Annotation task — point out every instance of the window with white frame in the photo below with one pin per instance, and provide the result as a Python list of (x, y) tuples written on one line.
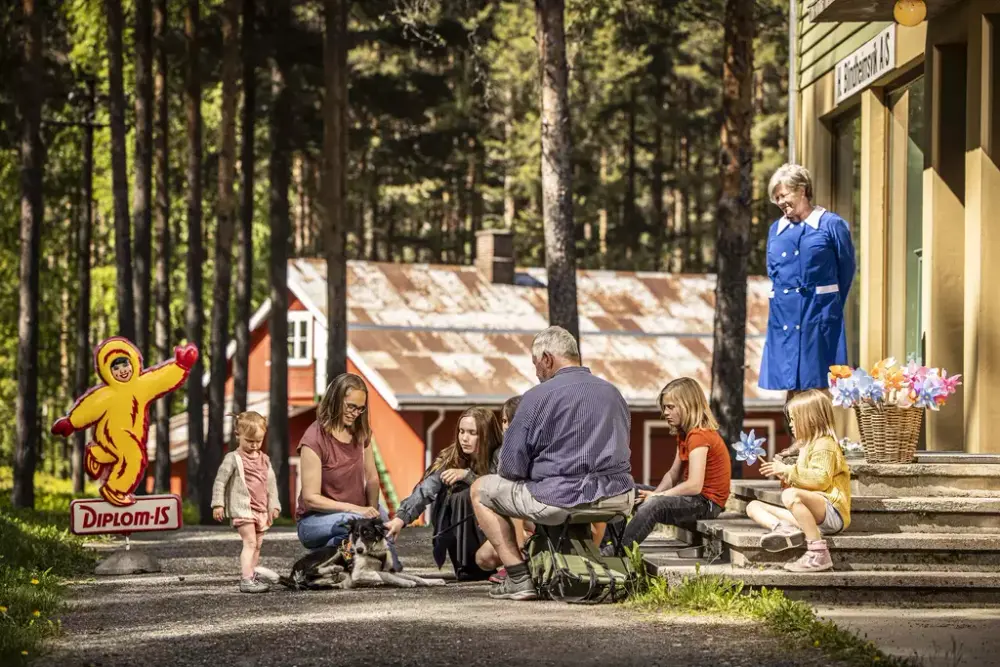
[(299, 338)]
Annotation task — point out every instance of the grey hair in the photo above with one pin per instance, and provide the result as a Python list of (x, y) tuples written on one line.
[(793, 176), (556, 341)]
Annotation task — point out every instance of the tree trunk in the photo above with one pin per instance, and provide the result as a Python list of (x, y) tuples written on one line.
[(729, 341), (119, 179), (83, 351), (691, 182), (630, 227), (335, 182), (509, 172), (692, 242), (195, 313), (602, 213), (279, 167), (163, 243), (656, 180), (557, 188), (477, 178), (244, 259), (219, 335), (681, 206), (143, 171), (63, 396), (299, 223), (32, 169), (375, 222)]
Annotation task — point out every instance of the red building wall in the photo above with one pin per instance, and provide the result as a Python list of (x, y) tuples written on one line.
[(401, 447)]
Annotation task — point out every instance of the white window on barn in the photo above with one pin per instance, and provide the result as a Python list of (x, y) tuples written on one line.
[(299, 338)]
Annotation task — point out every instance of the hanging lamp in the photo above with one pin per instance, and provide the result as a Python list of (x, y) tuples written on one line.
[(909, 12)]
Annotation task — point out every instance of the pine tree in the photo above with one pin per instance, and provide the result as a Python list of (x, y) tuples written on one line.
[(557, 188), (729, 340), (244, 257), (32, 215)]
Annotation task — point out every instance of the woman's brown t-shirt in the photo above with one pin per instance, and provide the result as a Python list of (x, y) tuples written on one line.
[(343, 476)]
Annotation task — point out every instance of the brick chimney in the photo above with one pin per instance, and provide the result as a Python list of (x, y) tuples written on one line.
[(495, 255)]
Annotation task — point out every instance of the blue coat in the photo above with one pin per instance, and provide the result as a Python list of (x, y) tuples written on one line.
[(811, 266)]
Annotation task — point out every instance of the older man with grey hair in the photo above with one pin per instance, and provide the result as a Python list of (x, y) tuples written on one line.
[(567, 449)]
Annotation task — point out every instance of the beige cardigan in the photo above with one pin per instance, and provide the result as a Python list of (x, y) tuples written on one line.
[(230, 489)]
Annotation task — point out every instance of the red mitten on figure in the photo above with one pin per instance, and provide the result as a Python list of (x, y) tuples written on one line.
[(63, 427), (186, 356)]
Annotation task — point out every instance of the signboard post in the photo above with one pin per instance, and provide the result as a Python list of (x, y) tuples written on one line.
[(872, 61), (92, 516), (118, 409)]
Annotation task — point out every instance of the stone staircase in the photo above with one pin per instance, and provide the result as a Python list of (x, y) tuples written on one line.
[(926, 531)]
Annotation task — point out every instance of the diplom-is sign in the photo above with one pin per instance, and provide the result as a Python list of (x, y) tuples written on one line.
[(873, 60), (92, 516)]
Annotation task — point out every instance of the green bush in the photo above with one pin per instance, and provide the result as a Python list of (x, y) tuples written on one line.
[(37, 552)]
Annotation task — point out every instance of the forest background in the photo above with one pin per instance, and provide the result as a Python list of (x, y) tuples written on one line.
[(442, 139)]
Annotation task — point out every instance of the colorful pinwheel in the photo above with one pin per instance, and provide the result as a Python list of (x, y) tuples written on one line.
[(749, 448)]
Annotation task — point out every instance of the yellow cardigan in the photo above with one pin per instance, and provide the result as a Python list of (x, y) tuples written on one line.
[(821, 467)]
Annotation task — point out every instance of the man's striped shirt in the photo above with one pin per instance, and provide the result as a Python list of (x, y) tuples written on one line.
[(569, 440)]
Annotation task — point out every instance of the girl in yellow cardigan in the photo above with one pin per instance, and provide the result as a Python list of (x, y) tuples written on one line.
[(818, 498)]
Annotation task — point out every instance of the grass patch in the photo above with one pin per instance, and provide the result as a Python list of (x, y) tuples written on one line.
[(37, 554), (713, 594)]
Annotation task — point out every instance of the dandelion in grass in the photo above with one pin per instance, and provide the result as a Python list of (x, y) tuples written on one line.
[(3, 610), (36, 614), (34, 582), (749, 448)]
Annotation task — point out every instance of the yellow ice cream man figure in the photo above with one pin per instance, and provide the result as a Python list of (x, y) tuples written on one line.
[(118, 409)]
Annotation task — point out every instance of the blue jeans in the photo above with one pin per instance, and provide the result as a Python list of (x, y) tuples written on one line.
[(317, 530)]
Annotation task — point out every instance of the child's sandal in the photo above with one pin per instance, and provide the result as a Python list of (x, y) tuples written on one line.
[(783, 537)]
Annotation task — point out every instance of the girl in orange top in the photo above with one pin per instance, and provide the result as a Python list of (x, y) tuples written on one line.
[(697, 484)]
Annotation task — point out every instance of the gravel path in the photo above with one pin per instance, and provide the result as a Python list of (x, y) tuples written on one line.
[(192, 614)]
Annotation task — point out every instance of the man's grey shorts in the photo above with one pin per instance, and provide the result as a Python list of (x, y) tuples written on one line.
[(513, 499)]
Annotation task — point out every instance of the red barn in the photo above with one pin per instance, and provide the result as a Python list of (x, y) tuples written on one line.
[(433, 340)]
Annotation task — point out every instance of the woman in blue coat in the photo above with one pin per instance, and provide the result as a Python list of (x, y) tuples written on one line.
[(810, 261)]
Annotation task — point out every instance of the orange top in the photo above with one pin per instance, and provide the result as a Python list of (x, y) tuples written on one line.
[(718, 467)]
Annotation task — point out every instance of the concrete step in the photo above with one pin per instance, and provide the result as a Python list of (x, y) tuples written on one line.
[(925, 479), (740, 539), (869, 514), (918, 586), (957, 457), (668, 546)]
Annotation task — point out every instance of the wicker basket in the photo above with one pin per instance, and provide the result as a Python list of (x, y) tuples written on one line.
[(889, 433)]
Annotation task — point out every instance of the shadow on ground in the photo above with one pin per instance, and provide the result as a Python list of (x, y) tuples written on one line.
[(192, 614)]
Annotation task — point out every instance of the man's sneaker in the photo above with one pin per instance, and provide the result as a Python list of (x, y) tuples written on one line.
[(254, 585), (509, 589), (498, 576), (814, 560), (784, 536)]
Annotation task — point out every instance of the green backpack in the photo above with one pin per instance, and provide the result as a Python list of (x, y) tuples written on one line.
[(565, 566)]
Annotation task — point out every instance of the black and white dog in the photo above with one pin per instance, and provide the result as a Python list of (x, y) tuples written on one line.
[(361, 560)]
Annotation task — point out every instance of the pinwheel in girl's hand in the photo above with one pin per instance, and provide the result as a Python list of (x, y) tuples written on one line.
[(749, 448)]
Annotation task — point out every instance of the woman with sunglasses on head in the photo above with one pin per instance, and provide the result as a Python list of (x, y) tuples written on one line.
[(337, 467)]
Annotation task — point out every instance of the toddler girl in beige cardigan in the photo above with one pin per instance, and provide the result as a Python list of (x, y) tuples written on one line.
[(246, 491)]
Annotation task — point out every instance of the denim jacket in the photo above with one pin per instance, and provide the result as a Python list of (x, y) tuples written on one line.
[(426, 492)]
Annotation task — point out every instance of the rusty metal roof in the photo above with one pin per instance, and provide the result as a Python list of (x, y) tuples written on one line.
[(436, 335), (257, 401)]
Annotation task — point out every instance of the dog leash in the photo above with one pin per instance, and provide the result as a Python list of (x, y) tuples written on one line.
[(455, 525)]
